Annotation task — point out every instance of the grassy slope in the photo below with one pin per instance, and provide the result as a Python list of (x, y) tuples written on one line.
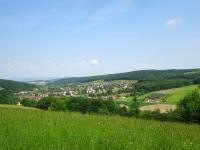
[(23, 129), (14, 86), (173, 95)]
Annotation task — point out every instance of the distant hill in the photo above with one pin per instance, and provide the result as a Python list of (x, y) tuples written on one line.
[(8, 88), (134, 75), (147, 80), (14, 86)]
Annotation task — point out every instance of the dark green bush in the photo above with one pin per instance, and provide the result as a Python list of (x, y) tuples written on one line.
[(29, 103), (188, 108), (45, 103)]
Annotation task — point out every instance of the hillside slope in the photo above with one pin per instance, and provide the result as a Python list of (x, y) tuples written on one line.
[(23, 129), (8, 88), (14, 86), (135, 75), (148, 80), (171, 96)]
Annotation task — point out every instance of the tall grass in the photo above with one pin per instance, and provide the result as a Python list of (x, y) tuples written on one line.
[(24, 129)]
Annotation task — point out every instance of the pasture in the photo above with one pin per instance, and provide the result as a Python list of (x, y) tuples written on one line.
[(172, 96)]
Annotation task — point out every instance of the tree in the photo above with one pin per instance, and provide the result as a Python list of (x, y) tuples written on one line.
[(29, 103), (189, 107), (109, 105), (109, 91), (58, 105), (134, 107), (45, 103)]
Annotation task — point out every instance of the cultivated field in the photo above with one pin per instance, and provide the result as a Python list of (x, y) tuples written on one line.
[(162, 107), (28, 129)]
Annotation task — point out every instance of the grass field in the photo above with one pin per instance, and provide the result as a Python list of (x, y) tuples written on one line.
[(28, 129), (173, 95)]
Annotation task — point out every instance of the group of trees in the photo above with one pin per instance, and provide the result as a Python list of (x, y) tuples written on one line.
[(81, 104), (160, 84), (84, 105), (188, 108)]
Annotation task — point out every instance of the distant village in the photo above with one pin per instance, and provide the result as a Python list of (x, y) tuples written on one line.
[(104, 89)]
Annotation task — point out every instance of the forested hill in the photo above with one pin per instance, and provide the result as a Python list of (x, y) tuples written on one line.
[(14, 86), (146, 75)]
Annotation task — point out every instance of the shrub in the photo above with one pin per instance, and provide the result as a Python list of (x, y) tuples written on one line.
[(123, 111), (134, 107), (29, 103), (58, 105), (109, 105), (45, 103), (189, 107), (103, 111)]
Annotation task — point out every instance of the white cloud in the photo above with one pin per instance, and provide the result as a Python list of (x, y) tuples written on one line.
[(173, 23), (94, 62)]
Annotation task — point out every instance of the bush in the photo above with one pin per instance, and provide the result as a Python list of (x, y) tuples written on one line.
[(29, 103), (189, 107), (134, 107), (103, 111), (45, 103), (123, 111), (58, 105), (109, 105)]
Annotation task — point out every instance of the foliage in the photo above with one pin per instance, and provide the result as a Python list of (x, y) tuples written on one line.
[(8, 88), (58, 105), (189, 107), (5, 99), (81, 104), (134, 107), (14, 87), (45, 103), (29, 103)]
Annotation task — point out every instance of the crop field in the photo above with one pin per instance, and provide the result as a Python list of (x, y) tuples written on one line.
[(162, 107), (29, 129), (172, 96)]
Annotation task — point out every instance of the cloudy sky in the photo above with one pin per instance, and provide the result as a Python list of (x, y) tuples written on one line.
[(65, 38)]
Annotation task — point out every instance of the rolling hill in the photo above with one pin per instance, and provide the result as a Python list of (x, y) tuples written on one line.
[(8, 88), (134, 75), (147, 80), (14, 86), (171, 96)]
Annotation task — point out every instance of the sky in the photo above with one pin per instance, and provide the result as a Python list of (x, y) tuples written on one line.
[(67, 38)]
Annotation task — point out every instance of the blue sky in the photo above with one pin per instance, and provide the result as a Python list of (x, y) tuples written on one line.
[(66, 38)]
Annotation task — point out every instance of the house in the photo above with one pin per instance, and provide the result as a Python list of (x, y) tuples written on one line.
[(152, 100)]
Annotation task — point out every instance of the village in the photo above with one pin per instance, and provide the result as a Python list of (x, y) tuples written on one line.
[(119, 89)]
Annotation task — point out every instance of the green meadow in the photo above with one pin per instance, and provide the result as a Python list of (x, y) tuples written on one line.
[(32, 129), (172, 96)]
